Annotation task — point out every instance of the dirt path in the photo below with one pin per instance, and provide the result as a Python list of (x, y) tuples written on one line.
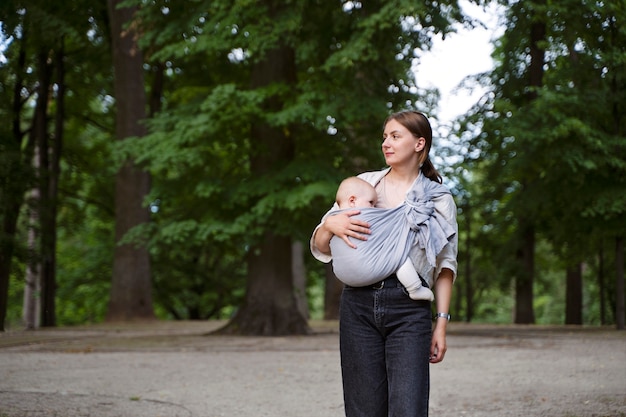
[(174, 369)]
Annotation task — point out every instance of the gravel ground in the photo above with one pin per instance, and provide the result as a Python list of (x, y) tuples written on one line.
[(173, 369)]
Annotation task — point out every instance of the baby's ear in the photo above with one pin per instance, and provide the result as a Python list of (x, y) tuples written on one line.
[(352, 201)]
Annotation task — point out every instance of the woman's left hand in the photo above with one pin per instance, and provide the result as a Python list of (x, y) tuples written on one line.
[(438, 343)]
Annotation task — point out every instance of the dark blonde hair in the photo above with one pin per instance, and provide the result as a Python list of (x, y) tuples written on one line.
[(419, 126)]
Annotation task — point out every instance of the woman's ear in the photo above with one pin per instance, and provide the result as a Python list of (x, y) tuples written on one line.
[(420, 144)]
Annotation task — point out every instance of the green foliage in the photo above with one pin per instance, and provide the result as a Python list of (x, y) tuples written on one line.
[(558, 159), (213, 205), (552, 154)]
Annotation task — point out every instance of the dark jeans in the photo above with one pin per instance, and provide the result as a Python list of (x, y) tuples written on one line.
[(385, 346)]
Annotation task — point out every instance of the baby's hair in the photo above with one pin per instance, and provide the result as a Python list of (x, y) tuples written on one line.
[(349, 187)]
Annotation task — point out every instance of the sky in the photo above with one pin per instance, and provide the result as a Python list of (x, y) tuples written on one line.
[(464, 53)]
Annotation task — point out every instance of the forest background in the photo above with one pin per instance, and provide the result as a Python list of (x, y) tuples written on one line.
[(169, 159)]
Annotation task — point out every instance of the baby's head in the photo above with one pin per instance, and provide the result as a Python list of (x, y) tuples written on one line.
[(355, 192)]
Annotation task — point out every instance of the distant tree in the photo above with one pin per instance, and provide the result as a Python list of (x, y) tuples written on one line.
[(511, 144)]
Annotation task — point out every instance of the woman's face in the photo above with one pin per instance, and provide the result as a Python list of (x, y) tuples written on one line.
[(399, 145)]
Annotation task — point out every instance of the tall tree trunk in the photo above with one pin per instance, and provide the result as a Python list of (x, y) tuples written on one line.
[(270, 306), (46, 240), (524, 311), (131, 287), (620, 302), (50, 201), (574, 295), (18, 174), (617, 107)]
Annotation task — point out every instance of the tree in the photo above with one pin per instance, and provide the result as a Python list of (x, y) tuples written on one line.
[(16, 170), (270, 306), (283, 100), (507, 138), (37, 101), (555, 158), (131, 292)]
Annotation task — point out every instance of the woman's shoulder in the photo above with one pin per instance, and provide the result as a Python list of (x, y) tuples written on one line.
[(373, 176), (445, 203)]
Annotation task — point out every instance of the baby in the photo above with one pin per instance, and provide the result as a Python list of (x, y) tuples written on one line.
[(352, 193)]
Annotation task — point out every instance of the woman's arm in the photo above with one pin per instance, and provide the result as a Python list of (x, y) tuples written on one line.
[(447, 258), (443, 291)]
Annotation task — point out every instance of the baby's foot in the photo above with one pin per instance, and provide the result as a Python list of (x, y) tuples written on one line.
[(421, 293)]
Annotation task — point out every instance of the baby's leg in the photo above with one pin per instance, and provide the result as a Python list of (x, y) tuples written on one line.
[(410, 279)]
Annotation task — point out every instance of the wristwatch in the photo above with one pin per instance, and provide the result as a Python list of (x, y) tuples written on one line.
[(444, 315)]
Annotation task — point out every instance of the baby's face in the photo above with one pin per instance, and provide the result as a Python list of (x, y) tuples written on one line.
[(366, 200)]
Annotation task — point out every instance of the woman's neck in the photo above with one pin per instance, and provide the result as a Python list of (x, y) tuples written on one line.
[(403, 176), (394, 186)]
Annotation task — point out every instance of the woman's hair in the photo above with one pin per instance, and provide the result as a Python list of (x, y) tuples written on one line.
[(416, 123)]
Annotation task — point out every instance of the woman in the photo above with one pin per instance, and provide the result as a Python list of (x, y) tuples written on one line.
[(386, 338)]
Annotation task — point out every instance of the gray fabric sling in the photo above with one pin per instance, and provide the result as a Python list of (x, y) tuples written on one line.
[(393, 233)]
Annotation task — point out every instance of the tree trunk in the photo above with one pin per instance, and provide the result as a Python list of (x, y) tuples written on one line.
[(131, 287), (601, 283), (332, 294), (574, 295), (156, 90), (49, 201), (18, 172), (270, 307), (49, 207), (619, 284), (44, 206), (524, 312), (9, 227), (469, 288), (299, 278), (31, 309)]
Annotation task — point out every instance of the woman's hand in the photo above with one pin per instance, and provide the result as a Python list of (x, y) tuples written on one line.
[(342, 225), (438, 344)]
